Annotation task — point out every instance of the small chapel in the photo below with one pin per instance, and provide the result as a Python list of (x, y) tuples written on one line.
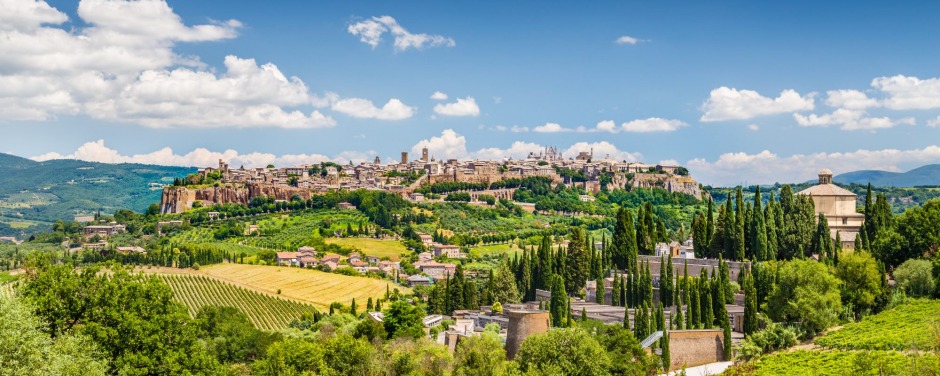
[(838, 205)]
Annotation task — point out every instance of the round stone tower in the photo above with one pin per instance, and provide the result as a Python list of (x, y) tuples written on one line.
[(522, 324)]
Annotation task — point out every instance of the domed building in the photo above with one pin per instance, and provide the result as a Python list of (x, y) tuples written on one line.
[(838, 205)]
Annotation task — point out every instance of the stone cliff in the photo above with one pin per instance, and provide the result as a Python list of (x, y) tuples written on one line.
[(180, 199)]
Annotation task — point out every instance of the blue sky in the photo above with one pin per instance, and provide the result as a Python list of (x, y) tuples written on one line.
[(737, 91)]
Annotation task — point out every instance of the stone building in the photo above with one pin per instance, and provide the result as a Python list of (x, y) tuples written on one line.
[(838, 205)]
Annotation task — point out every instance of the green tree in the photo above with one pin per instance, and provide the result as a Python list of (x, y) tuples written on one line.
[(28, 350), (822, 239), (230, 336), (807, 294), (861, 280), (563, 352), (914, 276), (750, 304), (403, 320), (558, 305), (578, 261), (758, 231), (132, 317), (482, 355), (504, 285)]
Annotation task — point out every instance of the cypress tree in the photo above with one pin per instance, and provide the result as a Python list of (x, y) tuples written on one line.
[(750, 304), (869, 207), (626, 296), (666, 356), (577, 262), (559, 302), (369, 305), (626, 318), (600, 290), (678, 323), (622, 233), (716, 245), (631, 245), (709, 223), (352, 307), (770, 224), (650, 228), (660, 317), (615, 292), (583, 314), (706, 307), (822, 242), (525, 283), (758, 231), (699, 240), (731, 231), (726, 340), (695, 318), (642, 232), (739, 218), (569, 322), (649, 285)]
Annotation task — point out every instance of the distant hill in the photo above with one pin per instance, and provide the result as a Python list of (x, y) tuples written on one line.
[(924, 175), (33, 194)]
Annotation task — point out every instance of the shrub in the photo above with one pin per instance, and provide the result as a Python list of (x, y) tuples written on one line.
[(915, 277)]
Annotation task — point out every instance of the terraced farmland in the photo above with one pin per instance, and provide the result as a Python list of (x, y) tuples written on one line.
[(264, 311), (312, 286)]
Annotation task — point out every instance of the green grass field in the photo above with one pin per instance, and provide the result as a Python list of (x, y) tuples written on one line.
[(912, 325), (372, 247), (306, 285), (495, 249), (265, 311)]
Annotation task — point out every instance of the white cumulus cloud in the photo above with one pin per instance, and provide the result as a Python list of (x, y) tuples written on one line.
[(439, 96), (726, 103), (370, 32), (626, 39), (850, 120), (120, 65), (462, 107), (909, 93), (394, 109), (97, 151), (766, 167), (550, 128)]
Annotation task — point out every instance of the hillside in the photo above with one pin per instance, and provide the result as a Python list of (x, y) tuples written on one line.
[(34, 194), (924, 175)]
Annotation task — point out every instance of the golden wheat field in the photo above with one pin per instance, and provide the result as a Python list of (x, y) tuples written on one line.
[(312, 286)]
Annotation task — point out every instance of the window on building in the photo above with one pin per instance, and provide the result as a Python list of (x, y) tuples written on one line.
[(845, 221)]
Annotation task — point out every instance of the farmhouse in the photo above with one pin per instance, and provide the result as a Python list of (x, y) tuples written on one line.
[(449, 251), (345, 206), (287, 258), (104, 230)]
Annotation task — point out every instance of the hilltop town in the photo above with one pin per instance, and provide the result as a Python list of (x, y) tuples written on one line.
[(223, 184)]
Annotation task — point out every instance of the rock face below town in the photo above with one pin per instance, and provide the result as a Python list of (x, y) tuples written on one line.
[(180, 199)]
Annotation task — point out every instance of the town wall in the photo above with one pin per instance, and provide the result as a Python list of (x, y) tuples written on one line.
[(690, 348)]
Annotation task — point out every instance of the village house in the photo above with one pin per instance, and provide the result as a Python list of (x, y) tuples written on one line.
[(103, 230), (426, 239), (345, 206), (449, 251), (287, 258), (129, 250), (418, 280)]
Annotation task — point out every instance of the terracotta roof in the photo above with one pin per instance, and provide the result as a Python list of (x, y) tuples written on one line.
[(826, 190)]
